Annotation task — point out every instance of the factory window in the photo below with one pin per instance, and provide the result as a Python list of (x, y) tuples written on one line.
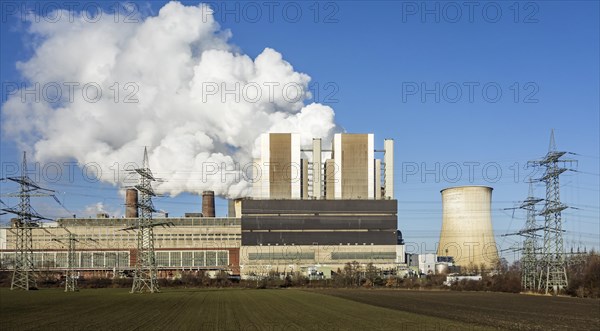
[(7, 260), (199, 259), (38, 260), (123, 260), (363, 255), (98, 259), (175, 259), (111, 259), (187, 259), (162, 259), (86, 260), (48, 260), (211, 258), (222, 258), (61, 260)]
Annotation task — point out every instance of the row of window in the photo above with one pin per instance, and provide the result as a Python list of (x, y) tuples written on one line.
[(282, 256), (169, 236), (347, 256), (58, 260), (192, 258), (120, 260)]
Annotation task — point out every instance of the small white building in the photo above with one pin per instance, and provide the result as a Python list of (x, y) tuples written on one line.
[(427, 263)]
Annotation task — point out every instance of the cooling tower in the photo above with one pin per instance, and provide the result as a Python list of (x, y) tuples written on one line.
[(467, 233), (208, 204), (131, 203)]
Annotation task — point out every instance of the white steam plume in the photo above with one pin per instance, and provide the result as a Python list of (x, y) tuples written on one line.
[(179, 63)]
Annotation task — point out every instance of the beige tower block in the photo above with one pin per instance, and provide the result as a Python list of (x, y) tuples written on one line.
[(467, 233), (279, 175), (377, 180), (388, 146), (317, 168), (355, 162)]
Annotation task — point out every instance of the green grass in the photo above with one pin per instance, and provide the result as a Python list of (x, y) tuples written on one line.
[(203, 309)]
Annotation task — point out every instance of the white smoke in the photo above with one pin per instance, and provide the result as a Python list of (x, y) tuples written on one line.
[(179, 62), (93, 210)]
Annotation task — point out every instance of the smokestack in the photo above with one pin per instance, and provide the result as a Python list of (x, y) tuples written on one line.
[(208, 204), (131, 203)]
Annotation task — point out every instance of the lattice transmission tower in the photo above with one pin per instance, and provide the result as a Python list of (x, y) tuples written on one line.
[(553, 274), (529, 260), (530, 249), (24, 277), (71, 275), (145, 277)]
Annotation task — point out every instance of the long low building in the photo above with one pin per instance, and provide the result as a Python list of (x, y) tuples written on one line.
[(104, 247), (279, 235)]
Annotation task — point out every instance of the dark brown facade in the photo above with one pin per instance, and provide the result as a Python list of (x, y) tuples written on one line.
[(319, 222)]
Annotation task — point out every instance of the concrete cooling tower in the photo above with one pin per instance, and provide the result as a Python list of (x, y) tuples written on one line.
[(467, 233)]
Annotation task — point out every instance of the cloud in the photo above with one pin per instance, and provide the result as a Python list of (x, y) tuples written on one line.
[(172, 82)]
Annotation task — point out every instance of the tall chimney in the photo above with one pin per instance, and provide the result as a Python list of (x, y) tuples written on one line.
[(208, 204), (131, 203)]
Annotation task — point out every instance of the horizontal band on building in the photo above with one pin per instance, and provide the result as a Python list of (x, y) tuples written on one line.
[(315, 230)]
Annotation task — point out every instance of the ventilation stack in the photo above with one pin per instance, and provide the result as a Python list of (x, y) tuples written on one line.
[(208, 204), (467, 233), (131, 203)]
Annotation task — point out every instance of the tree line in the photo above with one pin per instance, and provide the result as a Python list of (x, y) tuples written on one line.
[(583, 272)]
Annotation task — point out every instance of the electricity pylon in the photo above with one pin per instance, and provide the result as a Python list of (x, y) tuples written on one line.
[(24, 269), (145, 277), (529, 260), (529, 269), (553, 275), (71, 276), (71, 279)]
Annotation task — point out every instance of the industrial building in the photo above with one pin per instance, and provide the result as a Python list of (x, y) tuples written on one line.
[(320, 207), (312, 208), (429, 263), (106, 249), (290, 234)]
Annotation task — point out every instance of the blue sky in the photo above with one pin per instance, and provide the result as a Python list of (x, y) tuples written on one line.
[(371, 61)]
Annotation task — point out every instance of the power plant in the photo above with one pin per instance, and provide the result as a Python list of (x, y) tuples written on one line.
[(312, 210)]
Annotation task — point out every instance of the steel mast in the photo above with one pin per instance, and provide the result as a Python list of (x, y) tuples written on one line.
[(145, 275), (24, 270), (553, 275)]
